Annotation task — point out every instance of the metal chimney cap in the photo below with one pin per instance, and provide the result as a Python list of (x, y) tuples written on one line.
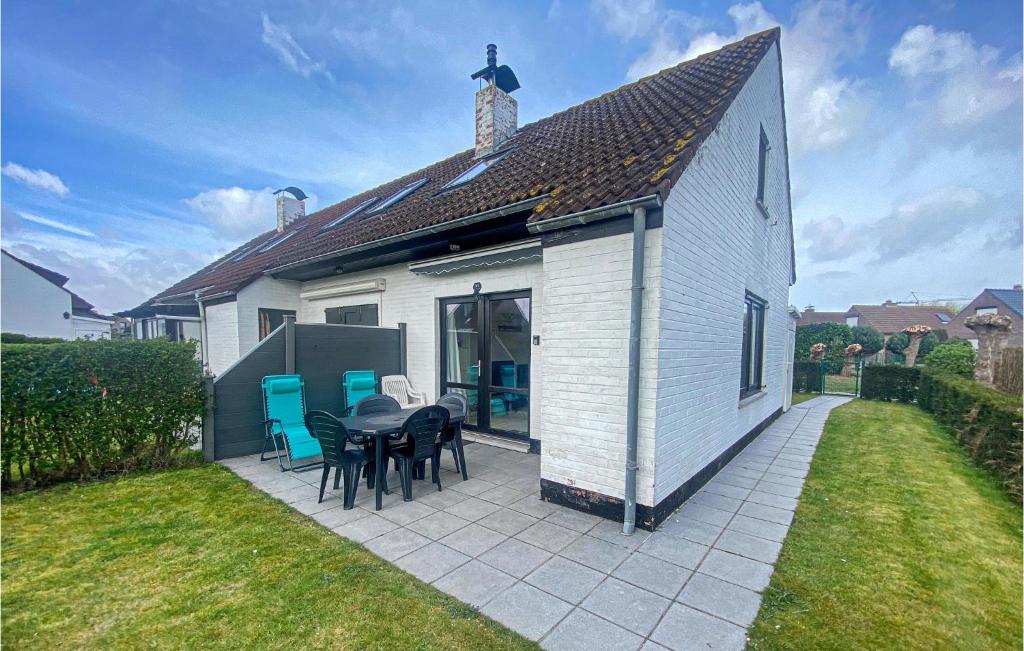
[(294, 191)]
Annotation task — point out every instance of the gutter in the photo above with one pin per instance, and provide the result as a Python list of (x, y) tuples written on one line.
[(636, 306), (439, 228), (596, 214)]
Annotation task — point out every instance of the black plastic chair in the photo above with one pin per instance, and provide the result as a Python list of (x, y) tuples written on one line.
[(422, 430), (456, 404), (333, 437), (378, 403)]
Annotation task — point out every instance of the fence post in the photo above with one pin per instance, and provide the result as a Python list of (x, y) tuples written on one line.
[(208, 434), (821, 377), (402, 348), (289, 344)]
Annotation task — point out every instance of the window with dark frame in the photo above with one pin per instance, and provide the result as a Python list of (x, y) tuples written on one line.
[(352, 315), (762, 170), (753, 345), (271, 319)]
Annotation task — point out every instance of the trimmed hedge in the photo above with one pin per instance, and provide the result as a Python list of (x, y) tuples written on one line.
[(837, 336), (889, 383), (16, 338), (81, 409), (955, 358), (807, 377), (987, 423)]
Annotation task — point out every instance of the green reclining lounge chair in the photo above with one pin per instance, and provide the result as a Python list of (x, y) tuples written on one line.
[(284, 406)]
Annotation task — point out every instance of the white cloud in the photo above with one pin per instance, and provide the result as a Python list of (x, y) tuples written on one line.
[(627, 20), (39, 179), (972, 83), (823, 107), (240, 213), (922, 50), (280, 40), (939, 220), (53, 223), (235, 211)]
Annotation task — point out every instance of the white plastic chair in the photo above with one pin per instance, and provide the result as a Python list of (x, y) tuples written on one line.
[(399, 388)]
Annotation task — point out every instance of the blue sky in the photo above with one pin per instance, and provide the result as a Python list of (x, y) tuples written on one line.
[(143, 139)]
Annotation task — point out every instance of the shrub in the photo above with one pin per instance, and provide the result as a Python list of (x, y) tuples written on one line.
[(889, 383), (15, 338), (1009, 374), (836, 336), (899, 341), (80, 409), (987, 423), (956, 358), (870, 339), (807, 377)]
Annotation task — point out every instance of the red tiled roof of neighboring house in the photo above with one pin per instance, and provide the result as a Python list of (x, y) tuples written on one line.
[(626, 144), (807, 317), (891, 318)]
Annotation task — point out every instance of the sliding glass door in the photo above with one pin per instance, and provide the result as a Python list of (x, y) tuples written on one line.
[(485, 355)]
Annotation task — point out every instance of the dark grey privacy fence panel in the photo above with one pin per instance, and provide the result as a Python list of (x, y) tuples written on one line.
[(238, 399), (322, 354)]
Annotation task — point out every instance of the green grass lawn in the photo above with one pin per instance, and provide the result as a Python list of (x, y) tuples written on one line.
[(898, 543), (197, 558), (803, 397)]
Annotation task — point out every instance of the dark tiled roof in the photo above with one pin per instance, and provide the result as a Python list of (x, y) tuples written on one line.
[(626, 144), (807, 318), (889, 319), (50, 275), (1012, 298)]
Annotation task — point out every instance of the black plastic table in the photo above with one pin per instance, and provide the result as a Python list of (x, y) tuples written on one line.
[(385, 426)]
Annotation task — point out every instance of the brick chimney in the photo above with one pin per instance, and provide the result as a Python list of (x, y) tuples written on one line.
[(496, 119), (496, 110), (291, 207)]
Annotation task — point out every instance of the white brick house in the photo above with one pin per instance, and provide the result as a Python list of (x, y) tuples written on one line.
[(511, 265)]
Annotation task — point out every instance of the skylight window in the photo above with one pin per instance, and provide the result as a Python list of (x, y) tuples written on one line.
[(278, 241), (351, 213), (474, 171), (244, 254), (398, 196)]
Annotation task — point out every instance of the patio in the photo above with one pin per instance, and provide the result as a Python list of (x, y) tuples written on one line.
[(572, 580)]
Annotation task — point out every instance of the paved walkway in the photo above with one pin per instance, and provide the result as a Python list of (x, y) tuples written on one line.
[(571, 580)]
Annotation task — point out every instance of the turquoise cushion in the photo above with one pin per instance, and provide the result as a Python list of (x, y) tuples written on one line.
[(285, 385)]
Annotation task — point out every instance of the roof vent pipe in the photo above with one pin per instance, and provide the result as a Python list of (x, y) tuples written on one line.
[(636, 305)]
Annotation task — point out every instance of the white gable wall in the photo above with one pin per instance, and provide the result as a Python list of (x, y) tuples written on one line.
[(586, 363), (717, 246), (32, 305)]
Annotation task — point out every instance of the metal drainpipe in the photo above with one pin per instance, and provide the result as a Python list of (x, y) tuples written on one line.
[(204, 337), (633, 386)]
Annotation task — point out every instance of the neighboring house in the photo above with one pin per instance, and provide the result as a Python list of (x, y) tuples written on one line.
[(36, 303), (890, 318), (1008, 302), (511, 265), (809, 316)]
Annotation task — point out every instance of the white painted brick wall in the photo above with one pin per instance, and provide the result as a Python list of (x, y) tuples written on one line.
[(222, 335), (413, 299), (717, 245), (266, 293), (586, 360)]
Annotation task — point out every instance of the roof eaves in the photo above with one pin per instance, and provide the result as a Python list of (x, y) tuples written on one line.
[(486, 215)]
